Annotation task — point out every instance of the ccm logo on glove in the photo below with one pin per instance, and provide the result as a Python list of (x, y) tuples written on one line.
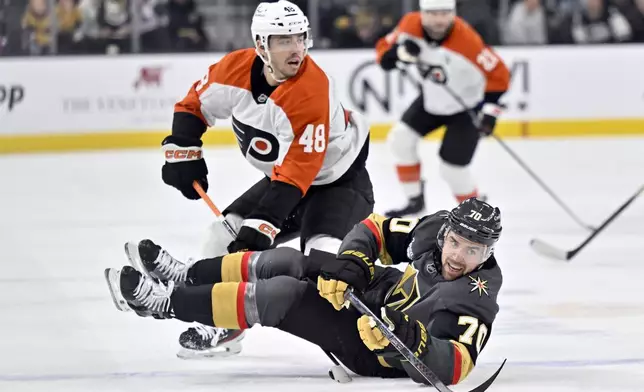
[(268, 230), (174, 153)]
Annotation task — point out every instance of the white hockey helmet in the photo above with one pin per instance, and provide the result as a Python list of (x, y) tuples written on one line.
[(437, 5), (279, 18)]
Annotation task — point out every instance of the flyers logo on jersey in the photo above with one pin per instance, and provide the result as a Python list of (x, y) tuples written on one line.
[(435, 73), (260, 145)]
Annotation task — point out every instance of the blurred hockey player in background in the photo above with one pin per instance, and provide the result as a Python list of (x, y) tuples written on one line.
[(453, 61), (442, 306), (290, 125)]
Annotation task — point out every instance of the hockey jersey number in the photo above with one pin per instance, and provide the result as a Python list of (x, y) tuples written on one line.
[(313, 138), (472, 327)]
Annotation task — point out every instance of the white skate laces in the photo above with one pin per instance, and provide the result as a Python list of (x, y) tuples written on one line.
[(171, 268), (154, 296), (208, 333)]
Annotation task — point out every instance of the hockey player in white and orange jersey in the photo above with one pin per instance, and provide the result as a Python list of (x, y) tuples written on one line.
[(291, 126), (461, 76)]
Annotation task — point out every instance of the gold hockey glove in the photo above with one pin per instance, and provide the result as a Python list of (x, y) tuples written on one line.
[(411, 332)]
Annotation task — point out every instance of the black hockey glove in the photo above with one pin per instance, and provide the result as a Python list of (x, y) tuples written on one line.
[(351, 269), (488, 115), (184, 164), (411, 332), (407, 52), (255, 234)]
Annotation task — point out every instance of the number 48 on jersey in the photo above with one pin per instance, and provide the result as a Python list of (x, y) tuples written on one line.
[(313, 138)]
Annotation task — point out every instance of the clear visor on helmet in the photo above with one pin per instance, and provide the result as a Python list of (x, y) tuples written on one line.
[(460, 248), (289, 43)]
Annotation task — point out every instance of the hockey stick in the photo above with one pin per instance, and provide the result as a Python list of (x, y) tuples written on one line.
[(337, 372), (476, 122), (546, 249), (525, 167), (213, 208), (406, 352), (543, 185)]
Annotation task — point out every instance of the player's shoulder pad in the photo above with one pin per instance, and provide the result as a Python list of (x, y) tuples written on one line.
[(475, 294), (464, 39), (310, 82), (424, 235), (306, 95), (410, 24), (234, 68)]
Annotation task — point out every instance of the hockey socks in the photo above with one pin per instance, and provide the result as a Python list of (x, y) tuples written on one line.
[(220, 305)]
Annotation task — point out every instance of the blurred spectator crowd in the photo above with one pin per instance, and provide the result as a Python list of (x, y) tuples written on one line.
[(41, 27)]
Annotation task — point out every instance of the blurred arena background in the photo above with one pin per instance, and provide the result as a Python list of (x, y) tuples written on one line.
[(109, 71)]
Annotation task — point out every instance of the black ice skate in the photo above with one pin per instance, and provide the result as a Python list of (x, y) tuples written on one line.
[(202, 341), (156, 262), (415, 207), (133, 291)]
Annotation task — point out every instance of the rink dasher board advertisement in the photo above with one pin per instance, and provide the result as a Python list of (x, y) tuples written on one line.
[(82, 101)]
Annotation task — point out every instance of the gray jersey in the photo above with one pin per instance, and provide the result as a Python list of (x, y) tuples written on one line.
[(458, 314)]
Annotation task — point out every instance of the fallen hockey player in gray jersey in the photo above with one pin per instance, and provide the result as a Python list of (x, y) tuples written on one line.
[(442, 306)]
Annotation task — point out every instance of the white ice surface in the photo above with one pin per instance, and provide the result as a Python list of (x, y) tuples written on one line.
[(564, 327)]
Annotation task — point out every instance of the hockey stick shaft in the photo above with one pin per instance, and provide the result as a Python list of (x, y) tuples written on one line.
[(420, 367), (219, 215), (607, 221), (475, 121), (400, 346), (541, 183), (214, 209)]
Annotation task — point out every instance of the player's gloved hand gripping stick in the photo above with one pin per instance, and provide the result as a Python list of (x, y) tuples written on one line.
[(407, 353)]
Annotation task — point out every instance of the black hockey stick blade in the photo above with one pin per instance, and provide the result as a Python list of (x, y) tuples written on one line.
[(483, 387), (546, 249), (419, 365)]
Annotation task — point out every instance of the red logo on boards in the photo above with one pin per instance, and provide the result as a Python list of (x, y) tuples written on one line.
[(149, 76)]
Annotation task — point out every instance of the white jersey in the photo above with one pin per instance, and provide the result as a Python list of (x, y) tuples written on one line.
[(297, 133), (461, 63)]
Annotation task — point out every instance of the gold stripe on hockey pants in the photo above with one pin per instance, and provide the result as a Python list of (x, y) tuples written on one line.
[(234, 267), (228, 305)]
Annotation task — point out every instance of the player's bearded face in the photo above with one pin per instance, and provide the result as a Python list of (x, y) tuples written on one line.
[(436, 23), (460, 256), (287, 53)]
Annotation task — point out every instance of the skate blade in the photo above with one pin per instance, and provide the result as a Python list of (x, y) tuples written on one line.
[(132, 253), (215, 352), (113, 278)]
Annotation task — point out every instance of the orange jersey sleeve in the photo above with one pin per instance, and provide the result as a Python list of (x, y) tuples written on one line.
[(466, 41), (409, 24), (307, 106), (232, 70)]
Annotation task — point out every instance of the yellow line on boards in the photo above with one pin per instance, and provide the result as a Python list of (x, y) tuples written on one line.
[(60, 142)]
